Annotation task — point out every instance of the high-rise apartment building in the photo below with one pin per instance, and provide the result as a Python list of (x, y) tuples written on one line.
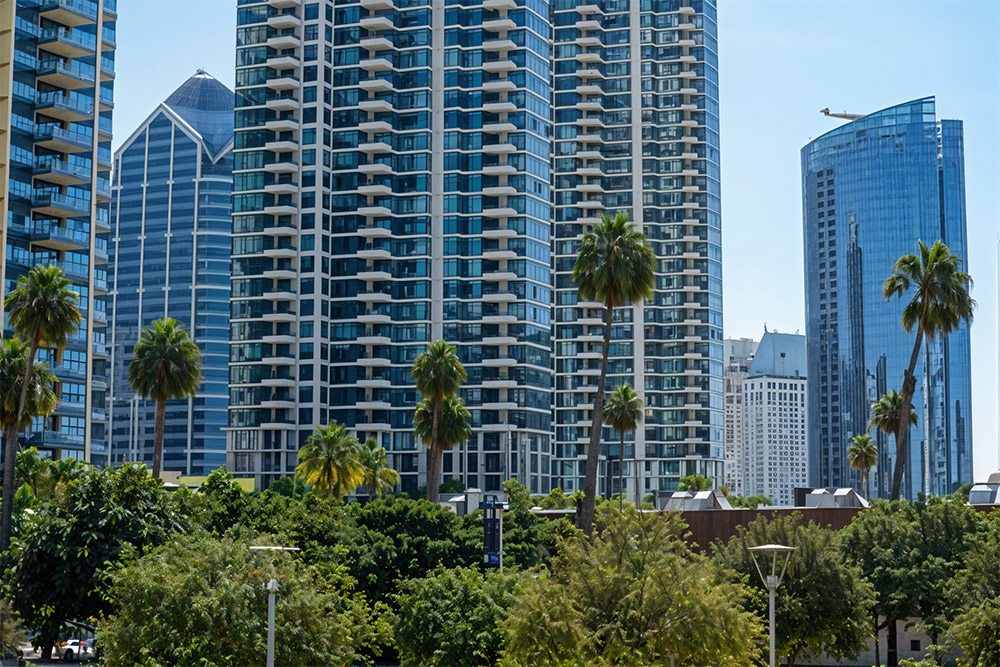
[(775, 452), (636, 131), (58, 90), (392, 187), (737, 354), (172, 195), (871, 188)]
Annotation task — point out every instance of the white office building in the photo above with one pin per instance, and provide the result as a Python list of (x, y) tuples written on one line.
[(737, 353)]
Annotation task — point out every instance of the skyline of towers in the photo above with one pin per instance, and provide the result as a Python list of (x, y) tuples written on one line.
[(56, 193), (171, 216), (853, 234)]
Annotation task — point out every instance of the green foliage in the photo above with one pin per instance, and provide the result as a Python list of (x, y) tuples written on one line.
[(40, 400), (623, 410), (55, 567), (615, 265), (453, 485), (12, 635), (45, 477), (862, 455), (750, 502), (556, 500), (220, 502), (291, 487), (378, 476), (202, 601), (975, 594), (453, 422), (437, 371), (823, 604), (694, 483), (165, 363), (940, 298), (453, 617), (636, 595), (330, 461)]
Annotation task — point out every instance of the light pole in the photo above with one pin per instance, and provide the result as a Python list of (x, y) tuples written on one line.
[(493, 509), (272, 588), (773, 580)]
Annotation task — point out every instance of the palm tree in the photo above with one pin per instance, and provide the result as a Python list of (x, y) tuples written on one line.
[(885, 415), (863, 456), (43, 311), (438, 374), (623, 412), (615, 266), (165, 364), (451, 418), (331, 461), (379, 477), (939, 304), (41, 401)]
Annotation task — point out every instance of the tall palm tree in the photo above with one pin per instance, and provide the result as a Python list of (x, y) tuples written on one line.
[(616, 267), (165, 364), (940, 301), (41, 401), (379, 477), (451, 419), (863, 456), (330, 461), (43, 311), (438, 374), (885, 416), (623, 411)]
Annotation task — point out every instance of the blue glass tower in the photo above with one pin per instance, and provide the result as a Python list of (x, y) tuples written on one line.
[(871, 188), (637, 131), (392, 187), (172, 197), (55, 193)]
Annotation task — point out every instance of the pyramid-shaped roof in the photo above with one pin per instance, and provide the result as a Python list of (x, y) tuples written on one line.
[(207, 106)]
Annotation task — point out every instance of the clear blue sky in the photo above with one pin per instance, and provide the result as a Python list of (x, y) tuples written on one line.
[(781, 61)]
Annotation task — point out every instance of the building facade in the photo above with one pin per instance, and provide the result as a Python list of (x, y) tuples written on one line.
[(392, 187), (172, 197), (737, 353), (871, 188), (59, 83), (775, 451)]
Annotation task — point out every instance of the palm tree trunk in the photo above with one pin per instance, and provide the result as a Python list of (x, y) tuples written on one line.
[(903, 429), (10, 451), (10, 457), (621, 474), (161, 416), (434, 458), (585, 520)]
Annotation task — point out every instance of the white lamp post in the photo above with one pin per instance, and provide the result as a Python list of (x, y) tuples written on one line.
[(272, 588), (772, 580)]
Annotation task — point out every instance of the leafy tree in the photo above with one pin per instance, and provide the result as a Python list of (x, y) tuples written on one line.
[(291, 487), (55, 567), (556, 500), (45, 477), (42, 309), (824, 601), (197, 600), (614, 266), (220, 503), (331, 461), (940, 301), (863, 456), (694, 483), (451, 418), (452, 485), (750, 502), (623, 412), (885, 414), (165, 365), (453, 617), (975, 595), (12, 635), (379, 477), (438, 375), (636, 595)]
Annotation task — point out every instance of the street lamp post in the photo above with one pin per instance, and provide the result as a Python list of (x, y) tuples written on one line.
[(272, 589), (773, 580)]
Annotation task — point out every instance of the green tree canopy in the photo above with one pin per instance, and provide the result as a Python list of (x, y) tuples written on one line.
[(438, 374), (166, 364), (823, 604), (636, 595), (331, 461), (623, 412), (379, 477), (442, 424), (694, 483), (862, 455)]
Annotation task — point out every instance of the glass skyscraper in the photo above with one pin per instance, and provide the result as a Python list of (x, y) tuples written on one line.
[(172, 197), (636, 92), (392, 187), (871, 188), (59, 78)]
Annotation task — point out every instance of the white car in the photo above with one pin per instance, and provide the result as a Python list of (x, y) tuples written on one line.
[(74, 649)]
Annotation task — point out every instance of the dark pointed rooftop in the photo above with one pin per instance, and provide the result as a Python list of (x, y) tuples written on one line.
[(207, 105)]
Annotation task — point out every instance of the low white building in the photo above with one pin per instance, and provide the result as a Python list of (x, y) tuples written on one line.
[(774, 456)]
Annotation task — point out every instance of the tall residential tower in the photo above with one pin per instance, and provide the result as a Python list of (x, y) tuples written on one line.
[(172, 195), (871, 189), (56, 194), (392, 187), (636, 125)]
